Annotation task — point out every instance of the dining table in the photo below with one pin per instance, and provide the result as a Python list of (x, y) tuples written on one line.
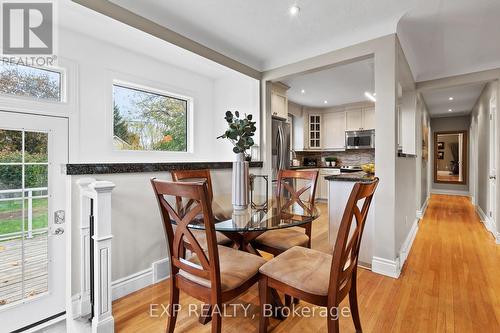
[(242, 226)]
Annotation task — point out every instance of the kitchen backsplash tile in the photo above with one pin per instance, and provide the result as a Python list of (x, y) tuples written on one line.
[(350, 157)]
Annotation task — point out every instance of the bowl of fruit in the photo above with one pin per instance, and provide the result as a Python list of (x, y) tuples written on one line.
[(368, 168)]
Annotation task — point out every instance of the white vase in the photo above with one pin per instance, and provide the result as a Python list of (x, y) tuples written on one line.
[(240, 183)]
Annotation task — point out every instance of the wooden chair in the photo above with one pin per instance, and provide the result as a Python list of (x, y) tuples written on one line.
[(278, 241), (319, 278), (213, 275), (190, 176)]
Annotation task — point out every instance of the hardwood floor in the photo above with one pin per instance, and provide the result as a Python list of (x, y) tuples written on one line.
[(450, 283)]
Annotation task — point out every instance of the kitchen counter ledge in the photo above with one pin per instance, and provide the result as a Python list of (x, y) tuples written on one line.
[(352, 177), (110, 168)]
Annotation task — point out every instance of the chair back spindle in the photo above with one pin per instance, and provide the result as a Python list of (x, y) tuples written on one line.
[(347, 245), (198, 196)]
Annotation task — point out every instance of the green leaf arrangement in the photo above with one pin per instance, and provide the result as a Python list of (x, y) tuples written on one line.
[(240, 131)]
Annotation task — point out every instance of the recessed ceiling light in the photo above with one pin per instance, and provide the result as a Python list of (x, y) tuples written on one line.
[(450, 98), (326, 102), (450, 110), (294, 10), (370, 96), (303, 91)]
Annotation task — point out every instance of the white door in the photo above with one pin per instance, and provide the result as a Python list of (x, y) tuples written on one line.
[(32, 242), (492, 163)]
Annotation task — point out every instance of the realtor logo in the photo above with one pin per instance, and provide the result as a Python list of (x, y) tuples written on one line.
[(27, 28)]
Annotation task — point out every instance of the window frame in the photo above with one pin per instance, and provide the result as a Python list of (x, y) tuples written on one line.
[(152, 90), (63, 85)]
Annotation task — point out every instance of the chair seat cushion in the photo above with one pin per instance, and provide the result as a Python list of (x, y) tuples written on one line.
[(236, 267), (283, 239), (301, 268)]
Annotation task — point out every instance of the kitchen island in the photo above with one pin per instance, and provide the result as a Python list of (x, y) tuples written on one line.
[(339, 190)]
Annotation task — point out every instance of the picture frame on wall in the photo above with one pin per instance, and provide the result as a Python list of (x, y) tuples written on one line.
[(440, 145), (440, 155)]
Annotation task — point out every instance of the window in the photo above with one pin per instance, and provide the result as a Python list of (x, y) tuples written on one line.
[(144, 120), (32, 82)]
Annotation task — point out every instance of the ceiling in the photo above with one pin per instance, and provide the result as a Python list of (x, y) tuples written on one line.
[(262, 34), (82, 20), (440, 38), (338, 85), (451, 37), (464, 99)]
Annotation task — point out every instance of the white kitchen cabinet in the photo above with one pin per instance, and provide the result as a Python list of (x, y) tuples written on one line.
[(322, 190), (279, 100), (314, 129), (333, 130), (279, 105), (360, 119), (354, 120), (369, 118)]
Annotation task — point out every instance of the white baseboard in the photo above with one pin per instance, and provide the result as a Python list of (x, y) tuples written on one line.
[(421, 211), (127, 285), (45, 325), (131, 283), (408, 243), (488, 223), (451, 192), (392, 268), (386, 267)]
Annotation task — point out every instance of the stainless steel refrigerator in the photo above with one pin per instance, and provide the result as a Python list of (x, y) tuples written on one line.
[(280, 146)]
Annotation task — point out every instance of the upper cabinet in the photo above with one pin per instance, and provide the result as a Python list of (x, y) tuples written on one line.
[(279, 100), (315, 131), (369, 118), (360, 119), (333, 128)]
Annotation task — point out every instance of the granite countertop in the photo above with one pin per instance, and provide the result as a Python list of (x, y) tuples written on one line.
[(110, 168), (352, 177), (312, 167)]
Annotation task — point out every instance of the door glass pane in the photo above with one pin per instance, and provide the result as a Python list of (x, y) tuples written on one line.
[(11, 180), (35, 245), (10, 251), (35, 147), (35, 176), (23, 215), (11, 145)]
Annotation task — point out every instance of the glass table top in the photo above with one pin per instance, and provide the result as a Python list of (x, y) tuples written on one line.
[(257, 219)]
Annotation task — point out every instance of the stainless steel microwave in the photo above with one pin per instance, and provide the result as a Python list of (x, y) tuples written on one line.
[(360, 139)]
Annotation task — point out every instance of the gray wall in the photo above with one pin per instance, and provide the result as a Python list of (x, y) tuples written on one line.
[(480, 114), (450, 124)]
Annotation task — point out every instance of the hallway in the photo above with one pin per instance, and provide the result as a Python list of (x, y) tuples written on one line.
[(450, 283)]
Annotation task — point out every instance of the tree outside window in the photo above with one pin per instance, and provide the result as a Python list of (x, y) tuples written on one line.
[(144, 120)]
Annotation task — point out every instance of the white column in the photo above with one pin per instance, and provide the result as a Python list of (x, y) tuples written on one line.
[(103, 321), (100, 193), (85, 196)]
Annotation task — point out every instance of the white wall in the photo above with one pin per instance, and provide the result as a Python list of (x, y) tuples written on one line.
[(98, 70), (233, 93), (138, 237), (480, 117)]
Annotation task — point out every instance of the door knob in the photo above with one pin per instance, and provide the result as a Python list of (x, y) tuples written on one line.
[(59, 231), (493, 177)]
